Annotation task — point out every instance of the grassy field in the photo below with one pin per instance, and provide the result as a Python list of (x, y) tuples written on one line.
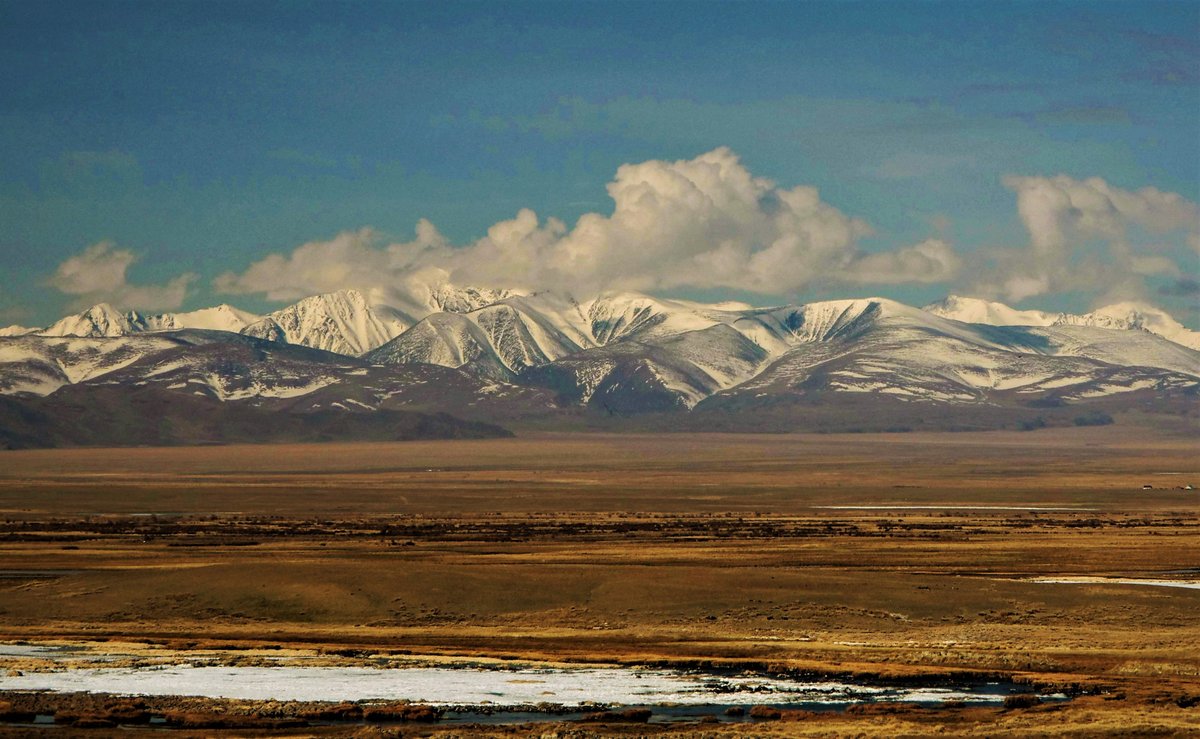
[(875, 555)]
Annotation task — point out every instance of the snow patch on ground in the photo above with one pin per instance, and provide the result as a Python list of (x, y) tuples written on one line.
[(1102, 390), (1189, 584), (450, 686), (945, 508)]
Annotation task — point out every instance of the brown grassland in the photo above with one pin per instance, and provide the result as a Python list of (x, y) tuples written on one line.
[(646, 549)]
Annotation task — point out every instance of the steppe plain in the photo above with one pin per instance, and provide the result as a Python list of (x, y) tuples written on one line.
[(899, 556)]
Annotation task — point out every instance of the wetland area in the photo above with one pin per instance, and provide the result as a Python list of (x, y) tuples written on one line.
[(997, 584)]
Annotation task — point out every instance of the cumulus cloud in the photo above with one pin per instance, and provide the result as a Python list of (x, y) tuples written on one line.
[(353, 259), (702, 223), (932, 260), (97, 275), (1080, 237)]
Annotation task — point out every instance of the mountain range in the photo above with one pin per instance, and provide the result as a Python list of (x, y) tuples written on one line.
[(471, 361)]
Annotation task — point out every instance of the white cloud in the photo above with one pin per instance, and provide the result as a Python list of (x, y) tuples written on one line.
[(1067, 219), (351, 259), (930, 261), (705, 223), (97, 275)]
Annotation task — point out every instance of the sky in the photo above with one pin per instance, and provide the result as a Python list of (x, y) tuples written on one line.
[(175, 155)]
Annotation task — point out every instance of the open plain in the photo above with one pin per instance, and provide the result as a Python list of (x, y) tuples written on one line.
[(900, 556)]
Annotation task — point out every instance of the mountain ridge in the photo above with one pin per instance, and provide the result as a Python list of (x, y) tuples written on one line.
[(356, 323), (1125, 316), (547, 359)]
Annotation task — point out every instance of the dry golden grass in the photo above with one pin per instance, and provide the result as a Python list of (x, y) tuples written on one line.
[(675, 549)]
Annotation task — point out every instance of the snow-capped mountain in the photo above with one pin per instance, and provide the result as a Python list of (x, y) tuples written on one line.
[(99, 320), (1126, 316), (682, 350), (988, 312), (39, 365), (105, 320), (662, 373), (353, 323), (1134, 316), (343, 322), (448, 298), (220, 318), (233, 369), (882, 347), (499, 340), (528, 330), (629, 351), (539, 357)]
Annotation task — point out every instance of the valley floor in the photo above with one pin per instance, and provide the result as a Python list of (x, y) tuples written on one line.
[(905, 556)]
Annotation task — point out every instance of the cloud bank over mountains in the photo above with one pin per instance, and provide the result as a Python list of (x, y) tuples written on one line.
[(709, 223), (1080, 238), (700, 223), (97, 274)]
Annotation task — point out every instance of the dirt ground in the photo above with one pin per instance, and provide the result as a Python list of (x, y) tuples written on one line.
[(869, 555)]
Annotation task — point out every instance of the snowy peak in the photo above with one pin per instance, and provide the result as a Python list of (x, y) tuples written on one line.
[(976, 310), (221, 318), (105, 321), (453, 299), (622, 316), (444, 339), (830, 319), (521, 339), (100, 320), (1132, 317), (1126, 316), (509, 336), (869, 361), (343, 322), (15, 330), (635, 317)]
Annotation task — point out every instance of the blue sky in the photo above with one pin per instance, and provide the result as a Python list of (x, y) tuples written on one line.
[(200, 138)]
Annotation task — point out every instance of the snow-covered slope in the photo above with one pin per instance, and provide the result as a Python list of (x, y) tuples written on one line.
[(1121, 348), (234, 370), (343, 322), (500, 340), (1134, 316), (659, 373), (39, 365), (883, 347), (1126, 316), (445, 297), (680, 350), (622, 316), (626, 350), (105, 320), (620, 352), (242, 370), (665, 353), (444, 339), (991, 313), (352, 322), (99, 320), (221, 318)]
